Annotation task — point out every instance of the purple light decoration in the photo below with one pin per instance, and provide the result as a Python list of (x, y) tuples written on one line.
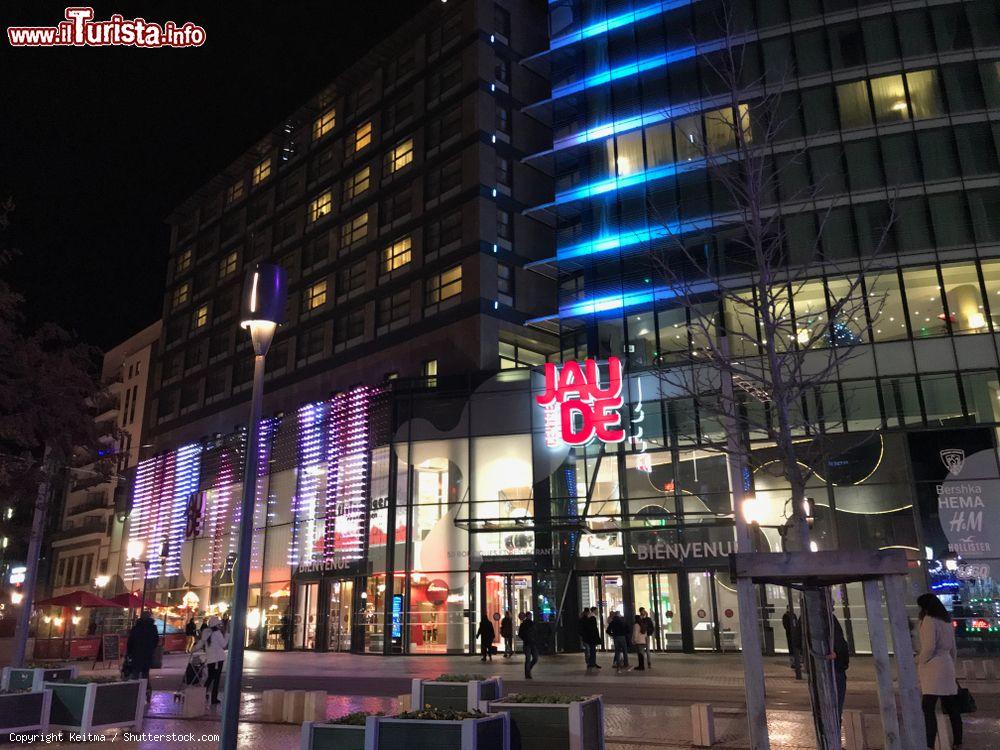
[(218, 513), (347, 476), (305, 505)]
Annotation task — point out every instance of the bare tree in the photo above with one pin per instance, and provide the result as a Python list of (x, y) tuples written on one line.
[(765, 338)]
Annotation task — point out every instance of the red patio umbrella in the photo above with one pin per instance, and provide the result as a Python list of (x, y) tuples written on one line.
[(132, 600), (77, 599)]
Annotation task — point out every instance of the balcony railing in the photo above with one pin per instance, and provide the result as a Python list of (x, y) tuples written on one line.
[(88, 525), (93, 501)]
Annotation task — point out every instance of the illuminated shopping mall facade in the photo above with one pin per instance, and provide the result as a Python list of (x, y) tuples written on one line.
[(393, 515)]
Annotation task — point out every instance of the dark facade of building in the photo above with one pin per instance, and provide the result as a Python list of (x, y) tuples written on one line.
[(393, 200)]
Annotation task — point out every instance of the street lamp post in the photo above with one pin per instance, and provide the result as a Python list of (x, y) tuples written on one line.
[(135, 549), (262, 309)]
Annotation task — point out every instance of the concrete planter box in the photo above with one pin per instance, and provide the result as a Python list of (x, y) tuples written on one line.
[(92, 706), (25, 712), (322, 736), (486, 733), (32, 678), (555, 726), (459, 696)]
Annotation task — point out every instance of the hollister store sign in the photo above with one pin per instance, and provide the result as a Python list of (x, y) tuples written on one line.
[(579, 407)]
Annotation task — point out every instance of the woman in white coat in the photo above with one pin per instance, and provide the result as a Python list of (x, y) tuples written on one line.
[(639, 641), (936, 667), (214, 642)]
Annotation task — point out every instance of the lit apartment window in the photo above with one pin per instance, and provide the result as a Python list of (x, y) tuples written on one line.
[(362, 136), (354, 230), (228, 265), (315, 295), (324, 123), (201, 316), (357, 183), (234, 193), (399, 156), (321, 206), (184, 261), (396, 255), (429, 370), (181, 295), (262, 171), (444, 285)]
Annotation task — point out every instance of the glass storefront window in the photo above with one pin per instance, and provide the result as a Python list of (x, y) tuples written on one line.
[(991, 277), (659, 145), (923, 298), (982, 395), (436, 621), (941, 399), (702, 610), (849, 325), (340, 615), (810, 313), (604, 516), (965, 299), (687, 131), (861, 404), (902, 404), (885, 306), (741, 325), (673, 333), (641, 338)]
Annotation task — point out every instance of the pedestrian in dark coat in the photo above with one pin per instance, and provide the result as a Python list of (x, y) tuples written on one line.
[(526, 632), (507, 633), (486, 635), (142, 642), (590, 637)]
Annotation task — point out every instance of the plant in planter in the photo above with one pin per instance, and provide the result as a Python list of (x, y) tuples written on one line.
[(438, 729), (548, 722), (462, 692), (94, 703), (24, 710), (33, 675), (344, 733)]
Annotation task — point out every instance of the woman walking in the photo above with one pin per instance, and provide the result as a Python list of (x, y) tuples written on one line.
[(214, 642), (936, 668)]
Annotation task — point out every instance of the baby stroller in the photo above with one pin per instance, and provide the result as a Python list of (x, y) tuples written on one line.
[(194, 674)]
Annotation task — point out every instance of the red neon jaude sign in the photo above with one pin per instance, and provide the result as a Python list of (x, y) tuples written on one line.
[(578, 408)]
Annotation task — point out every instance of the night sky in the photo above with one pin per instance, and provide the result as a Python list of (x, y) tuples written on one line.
[(98, 145)]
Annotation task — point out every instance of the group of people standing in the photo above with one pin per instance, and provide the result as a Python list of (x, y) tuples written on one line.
[(640, 636), (143, 640), (526, 631)]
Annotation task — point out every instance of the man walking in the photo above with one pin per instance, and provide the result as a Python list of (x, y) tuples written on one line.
[(486, 635), (526, 632), (507, 633), (590, 636), (618, 631), (648, 629), (142, 642), (793, 635)]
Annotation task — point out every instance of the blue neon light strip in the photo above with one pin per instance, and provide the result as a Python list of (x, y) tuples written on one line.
[(630, 238), (616, 22), (615, 302), (611, 184)]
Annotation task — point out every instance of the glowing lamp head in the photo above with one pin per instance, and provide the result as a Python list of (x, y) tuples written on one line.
[(752, 509), (135, 549), (102, 581), (262, 307), (16, 597)]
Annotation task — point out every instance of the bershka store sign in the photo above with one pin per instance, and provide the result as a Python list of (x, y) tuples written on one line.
[(579, 407)]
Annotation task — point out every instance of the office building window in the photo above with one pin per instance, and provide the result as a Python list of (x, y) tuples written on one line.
[(445, 178), (396, 206), (443, 286), (504, 229), (310, 345), (503, 120), (890, 99), (321, 206), (228, 265), (181, 295), (399, 156), (393, 312), (357, 183), (215, 385), (515, 355), (354, 230), (184, 261), (855, 110), (352, 278), (501, 20), (925, 94), (502, 72), (396, 255), (444, 79), (362, 136), (262, 171), (659, 145), (349, 327), (218, 345), (442, 233), (505, 284), (201, 316), (234, 193), (504, 176), (315, 295), (324, 123), (444, 128), (316, 252)]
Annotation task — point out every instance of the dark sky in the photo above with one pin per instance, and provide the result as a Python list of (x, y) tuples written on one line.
[(98, 145)]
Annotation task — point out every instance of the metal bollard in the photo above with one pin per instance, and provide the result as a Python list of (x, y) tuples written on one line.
[(702, 725), (854, 731)]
